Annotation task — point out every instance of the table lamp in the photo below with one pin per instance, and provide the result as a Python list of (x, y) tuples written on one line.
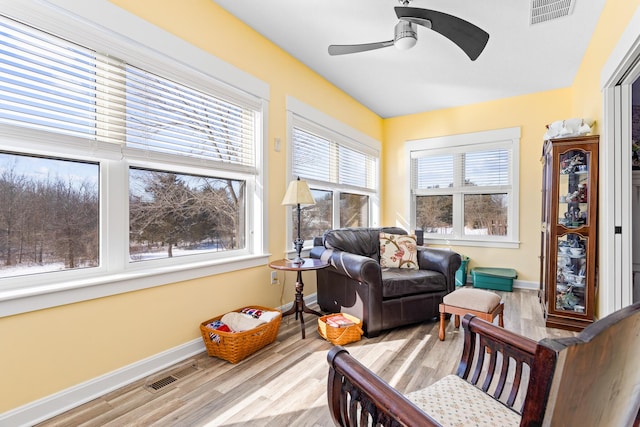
[(297, 194)]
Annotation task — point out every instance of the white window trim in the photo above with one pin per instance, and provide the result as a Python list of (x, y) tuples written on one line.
[(511, 135), (365, 143), (100, 24)]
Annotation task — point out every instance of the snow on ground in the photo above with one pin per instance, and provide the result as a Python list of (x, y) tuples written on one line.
[(24, 269)]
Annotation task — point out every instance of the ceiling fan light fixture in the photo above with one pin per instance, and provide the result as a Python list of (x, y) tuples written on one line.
[(406, 35), (468, 37)]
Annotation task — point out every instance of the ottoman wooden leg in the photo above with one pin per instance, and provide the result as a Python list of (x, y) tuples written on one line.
[(441, 331), (456, 321)]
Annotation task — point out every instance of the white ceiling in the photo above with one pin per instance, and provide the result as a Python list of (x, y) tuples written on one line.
[(519, 58)]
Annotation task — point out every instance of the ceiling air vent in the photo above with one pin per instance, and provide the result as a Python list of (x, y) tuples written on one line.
[(547, 10)]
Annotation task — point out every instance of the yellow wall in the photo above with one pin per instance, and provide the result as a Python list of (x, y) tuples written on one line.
[(530, 113), (46, 351), (49, 350), (587, 96)]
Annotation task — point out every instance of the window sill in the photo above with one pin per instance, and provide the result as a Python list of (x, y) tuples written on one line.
[(507, 244), (16, 301), (291, 254)]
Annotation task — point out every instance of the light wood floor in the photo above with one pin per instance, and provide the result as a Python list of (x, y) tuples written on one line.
[(284, 384)]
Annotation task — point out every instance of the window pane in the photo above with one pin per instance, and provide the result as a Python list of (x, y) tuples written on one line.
[(434, 172), (172, 214), (314, 219), (49, 215), (486, 214), (354, 210), (486, 168), (635, 125), (434, 214)]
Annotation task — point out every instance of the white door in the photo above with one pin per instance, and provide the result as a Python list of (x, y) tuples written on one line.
[(616, 288)]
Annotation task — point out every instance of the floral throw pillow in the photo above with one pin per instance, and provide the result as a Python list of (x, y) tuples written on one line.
[(398, 251)]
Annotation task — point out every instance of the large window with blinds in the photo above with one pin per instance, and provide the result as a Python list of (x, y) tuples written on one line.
[(465, 187), (342, 173), (86, 137)]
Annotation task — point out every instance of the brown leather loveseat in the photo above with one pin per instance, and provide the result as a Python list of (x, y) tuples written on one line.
[(384, 298)]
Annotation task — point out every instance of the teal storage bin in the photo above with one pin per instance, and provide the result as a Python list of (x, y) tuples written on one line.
[(499, 279)]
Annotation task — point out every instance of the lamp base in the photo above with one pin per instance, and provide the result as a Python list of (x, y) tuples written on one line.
[(298, 244)]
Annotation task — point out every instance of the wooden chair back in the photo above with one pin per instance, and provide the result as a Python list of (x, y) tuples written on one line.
[(596, 381)]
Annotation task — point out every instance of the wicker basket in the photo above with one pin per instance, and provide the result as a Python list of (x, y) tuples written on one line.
[(235, 346), (343, 335)]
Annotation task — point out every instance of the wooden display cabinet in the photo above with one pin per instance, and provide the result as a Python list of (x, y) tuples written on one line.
[(568, 237)]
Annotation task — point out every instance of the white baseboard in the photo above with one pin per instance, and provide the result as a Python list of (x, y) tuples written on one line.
[(525, 284), (55, 404), (308, 300), (50, 406), (520, 284)]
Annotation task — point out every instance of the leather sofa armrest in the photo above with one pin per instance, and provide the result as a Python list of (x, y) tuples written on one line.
[(317, 251), (444, 261), (356, 267)]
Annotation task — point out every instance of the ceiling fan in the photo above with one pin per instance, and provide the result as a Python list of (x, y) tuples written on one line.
[(470, 38)]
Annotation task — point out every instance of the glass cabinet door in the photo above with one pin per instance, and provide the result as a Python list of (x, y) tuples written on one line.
[(571, 273), (573, 189)]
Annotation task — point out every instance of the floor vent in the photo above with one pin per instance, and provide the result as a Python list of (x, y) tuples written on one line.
[(176, 373), (163, 382), (548, 10)]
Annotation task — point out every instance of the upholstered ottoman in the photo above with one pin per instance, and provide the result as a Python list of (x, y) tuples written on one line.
[(483, 304)]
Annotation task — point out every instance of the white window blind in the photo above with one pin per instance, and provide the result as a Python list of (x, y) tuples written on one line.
[(433, 172), (311, 157), (172, 118), (46, 83), (487, 168), (483, 168), (50, 84), (326, 160)]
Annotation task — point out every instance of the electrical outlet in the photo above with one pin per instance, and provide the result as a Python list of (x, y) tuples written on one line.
[(274, 278)]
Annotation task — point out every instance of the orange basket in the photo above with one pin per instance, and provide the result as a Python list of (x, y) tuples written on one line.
[(340, 335), (235, 346)]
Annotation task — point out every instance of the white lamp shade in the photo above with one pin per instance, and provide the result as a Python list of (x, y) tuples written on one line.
[(298, 193)]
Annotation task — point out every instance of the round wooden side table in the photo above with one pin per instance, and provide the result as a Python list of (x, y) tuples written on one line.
[(299, 305)]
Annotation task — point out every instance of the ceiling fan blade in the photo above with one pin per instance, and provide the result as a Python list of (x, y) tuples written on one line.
[(470, 38), (342, 49)]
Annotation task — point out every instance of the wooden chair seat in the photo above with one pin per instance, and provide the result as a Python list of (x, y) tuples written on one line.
[(591, 380), (453, 401)]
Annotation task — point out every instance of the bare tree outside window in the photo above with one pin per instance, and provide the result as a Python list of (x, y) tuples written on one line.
[(354, 210), (49, 215), (173, 214), (486, 214), (434, 214)]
